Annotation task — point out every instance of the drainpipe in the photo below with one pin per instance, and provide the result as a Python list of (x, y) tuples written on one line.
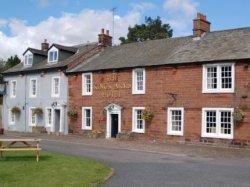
[(25, 104)]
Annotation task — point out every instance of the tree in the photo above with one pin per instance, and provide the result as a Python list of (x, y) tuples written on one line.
[(152, 29), (12, 61)]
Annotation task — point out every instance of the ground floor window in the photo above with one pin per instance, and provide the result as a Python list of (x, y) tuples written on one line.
[(87, 118), (138, 121), (48, 117), (175, 121), (12, 117), (217, 122), (32, 117)]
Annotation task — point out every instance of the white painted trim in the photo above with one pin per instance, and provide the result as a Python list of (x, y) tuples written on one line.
[(11, 123), (61, 119), (11, 89), (26, 57), (53, 86), (30, 117), (30, 88), (169, 125), (219, 89), (134, 125), (46, 117), (218, 126), (84, 127), (53, 49), (84, 92), (116, 109), (134, 81)]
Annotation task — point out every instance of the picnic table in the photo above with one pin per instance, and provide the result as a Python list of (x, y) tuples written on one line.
[(23, 145)]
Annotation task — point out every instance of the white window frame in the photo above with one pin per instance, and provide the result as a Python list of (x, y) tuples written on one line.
[(53, 50), (84, 127), (84, 88), (26, 59), (12, 94), (169, 125), (134, 120), (219, 88), (218, 124), (10, 118), (53, 94), (47, 124), (31, 87), (134, 81), (30, 117)]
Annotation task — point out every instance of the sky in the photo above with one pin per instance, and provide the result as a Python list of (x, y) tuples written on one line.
[(26, 23)]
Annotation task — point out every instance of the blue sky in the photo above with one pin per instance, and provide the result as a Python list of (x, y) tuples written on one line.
[(26, 23)]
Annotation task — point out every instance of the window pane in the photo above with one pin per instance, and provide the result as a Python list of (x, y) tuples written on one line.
[(33, 84), (176, 120), (55, 56), (56, 86), (211, 121), (139, 119), (212, 77), (33, 117), (87, 83), (51, 56), (49, 116), (139, 79), (226, 122), (226, 77), (88, 117)]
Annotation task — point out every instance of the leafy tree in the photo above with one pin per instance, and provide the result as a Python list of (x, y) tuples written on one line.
[(12, 61), (152, 29)]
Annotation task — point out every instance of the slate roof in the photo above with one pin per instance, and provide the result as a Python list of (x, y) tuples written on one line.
[(72, 49), (36, 51), (223, 45), (44, 65)]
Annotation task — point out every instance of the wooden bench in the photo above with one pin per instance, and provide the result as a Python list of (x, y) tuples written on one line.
[(25, 145)]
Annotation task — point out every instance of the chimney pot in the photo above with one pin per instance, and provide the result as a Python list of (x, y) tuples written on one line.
[(102, 31), (45, 45), (105, 39)]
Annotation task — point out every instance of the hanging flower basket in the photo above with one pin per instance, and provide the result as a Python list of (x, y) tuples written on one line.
[(72, 114), (147, 115), (16, 110), (38, 111), (238, 115)]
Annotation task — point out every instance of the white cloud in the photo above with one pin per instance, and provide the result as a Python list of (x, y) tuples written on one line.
[(3, 22), (69, 29), (181, 13)]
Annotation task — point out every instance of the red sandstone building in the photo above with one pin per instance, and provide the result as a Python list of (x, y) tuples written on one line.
[(178, 89)]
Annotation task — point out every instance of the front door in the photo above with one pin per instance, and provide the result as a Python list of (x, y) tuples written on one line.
[(114, 125), (57, 120)]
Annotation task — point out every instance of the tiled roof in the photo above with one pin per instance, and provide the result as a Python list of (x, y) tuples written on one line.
[(36, 51)]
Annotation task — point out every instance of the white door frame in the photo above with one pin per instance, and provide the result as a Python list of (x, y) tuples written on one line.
[(61, 119), (112, 109)]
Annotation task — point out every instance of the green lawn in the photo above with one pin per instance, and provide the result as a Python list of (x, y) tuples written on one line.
[(21, 169)]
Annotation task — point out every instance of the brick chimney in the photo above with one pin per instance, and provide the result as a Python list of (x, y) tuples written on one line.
[(104, 39), (45, 45), (200, 25)]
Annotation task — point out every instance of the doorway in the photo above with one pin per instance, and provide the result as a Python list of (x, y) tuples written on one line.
[(114, 125), (57, 121)]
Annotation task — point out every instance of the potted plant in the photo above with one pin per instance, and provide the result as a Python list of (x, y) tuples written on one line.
[(147, 115), (38, 111), (16, 110), (72, 114), (238, 115)]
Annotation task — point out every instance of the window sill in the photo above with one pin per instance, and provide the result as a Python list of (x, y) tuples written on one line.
[(140, 132), (138, 93), (87, 128), (217, 136), (175, 133), (217, 91)]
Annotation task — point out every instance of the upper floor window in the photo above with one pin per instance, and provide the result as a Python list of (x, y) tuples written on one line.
[(87, 83), (33, 87), (138, 121), (87, 118), (28, 59), (55, 87), (13, 88), (138, 84), (53, 55), (175, 121), (217, 123), (218, 78)]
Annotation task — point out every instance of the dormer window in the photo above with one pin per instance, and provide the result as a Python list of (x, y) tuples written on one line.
[(53, 56), (28, 59)]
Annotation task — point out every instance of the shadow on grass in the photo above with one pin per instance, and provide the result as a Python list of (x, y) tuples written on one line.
[(21, 158)]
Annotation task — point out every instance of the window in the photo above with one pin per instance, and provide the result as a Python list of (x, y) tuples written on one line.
[(55, 86), (218, 78), (33, 87), (217, 122), (13, 89), (12, 117), (32, 117), (138, 81), (138, 121), (87, 118), (48, 117), (28, 59), (53, 56), (175, 121), (87, 84)]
